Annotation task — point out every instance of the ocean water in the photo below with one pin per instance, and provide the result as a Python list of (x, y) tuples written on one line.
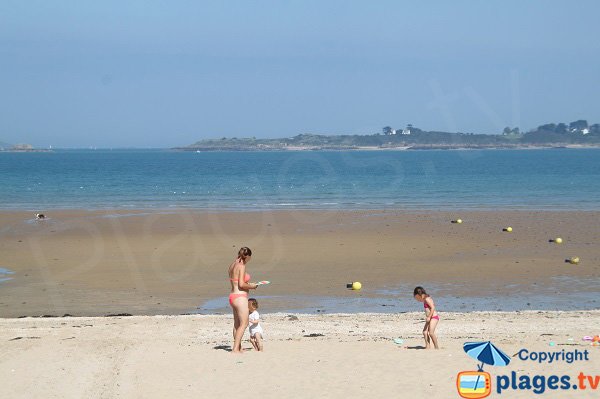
[(552, 179)]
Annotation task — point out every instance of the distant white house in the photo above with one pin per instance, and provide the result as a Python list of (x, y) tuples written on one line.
[(585, 130), (388, 131)]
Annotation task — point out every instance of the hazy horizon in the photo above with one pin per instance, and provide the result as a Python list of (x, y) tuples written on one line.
[(159, 75)]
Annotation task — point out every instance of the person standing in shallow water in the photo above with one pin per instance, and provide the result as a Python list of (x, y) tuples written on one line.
[(238, 298)]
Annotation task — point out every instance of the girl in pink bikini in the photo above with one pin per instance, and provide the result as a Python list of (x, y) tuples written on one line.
[(238, 298), (431, 317)]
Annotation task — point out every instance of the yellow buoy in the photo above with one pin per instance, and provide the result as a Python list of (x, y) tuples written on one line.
[(356, 285), (558, 240), (459, 221), (509, 229), (574, 260)]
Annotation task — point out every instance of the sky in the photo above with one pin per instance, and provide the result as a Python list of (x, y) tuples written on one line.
[(156, 74)]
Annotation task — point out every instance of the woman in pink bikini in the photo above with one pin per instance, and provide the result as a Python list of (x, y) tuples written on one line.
[(431, 317), (238, 298)]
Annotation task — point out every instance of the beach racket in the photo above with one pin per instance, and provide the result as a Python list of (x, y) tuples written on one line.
[(264, 282)]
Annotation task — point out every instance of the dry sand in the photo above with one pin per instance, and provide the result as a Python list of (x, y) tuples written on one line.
[(183, 356), (92, 263)]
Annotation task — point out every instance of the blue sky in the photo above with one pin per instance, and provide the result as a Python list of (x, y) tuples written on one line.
[(168, 73)]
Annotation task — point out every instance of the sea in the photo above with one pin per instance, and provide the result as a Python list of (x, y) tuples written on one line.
[(541, 179)]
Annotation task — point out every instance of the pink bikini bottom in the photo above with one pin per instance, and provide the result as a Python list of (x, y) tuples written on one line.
[(233, 297)]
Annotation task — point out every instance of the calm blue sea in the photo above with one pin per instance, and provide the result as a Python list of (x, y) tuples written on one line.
[(137, 179)]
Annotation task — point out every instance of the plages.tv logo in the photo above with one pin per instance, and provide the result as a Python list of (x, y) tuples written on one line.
[(478, 384)]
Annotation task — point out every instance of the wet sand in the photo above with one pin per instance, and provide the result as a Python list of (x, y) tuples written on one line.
[(351, 356), (92, 263)]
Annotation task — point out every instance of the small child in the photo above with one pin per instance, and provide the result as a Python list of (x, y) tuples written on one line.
[(256, 331), (431, 317)]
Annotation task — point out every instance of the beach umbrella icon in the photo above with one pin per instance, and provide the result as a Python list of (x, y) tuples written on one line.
[(486, 353)]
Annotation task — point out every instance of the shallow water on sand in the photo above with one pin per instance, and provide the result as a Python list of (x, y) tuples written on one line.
[(4, 273), (582, 295)]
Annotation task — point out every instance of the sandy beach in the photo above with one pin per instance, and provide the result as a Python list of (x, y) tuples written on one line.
[(94, 263), (187, 356), (161, 265)]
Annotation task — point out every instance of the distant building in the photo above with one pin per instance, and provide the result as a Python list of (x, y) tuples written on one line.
[(22, 147), (388, 131), (585, 130)]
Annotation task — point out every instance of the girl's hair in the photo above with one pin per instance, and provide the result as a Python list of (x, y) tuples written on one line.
[(420, 291), (253, 302), (244, 252)]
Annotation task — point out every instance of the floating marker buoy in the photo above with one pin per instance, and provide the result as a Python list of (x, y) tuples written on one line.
[(356, 286), (558, 240), (574, 260), (508, 229), (458, 221)]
